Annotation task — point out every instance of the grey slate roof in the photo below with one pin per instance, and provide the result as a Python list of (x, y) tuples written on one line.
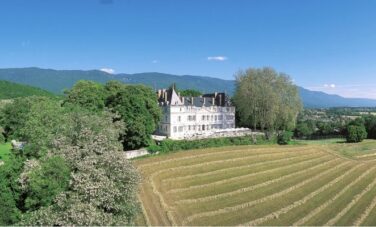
[(217, 99)]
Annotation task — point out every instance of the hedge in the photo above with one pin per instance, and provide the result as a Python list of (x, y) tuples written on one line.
[(169, 145)]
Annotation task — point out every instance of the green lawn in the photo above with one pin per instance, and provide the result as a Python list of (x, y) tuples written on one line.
[(5, 151), (324, 141)]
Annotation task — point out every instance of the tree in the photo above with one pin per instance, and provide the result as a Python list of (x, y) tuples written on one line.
[(87, 94), (76, 173), (284, 137), (356, 134), (304, 129), (370, 124), (190, 93), (266, 99), (14, 115), (2, 135), (103, 182), (139, 110), (136, 104), (43, 183), (10, 190), (41, 127)]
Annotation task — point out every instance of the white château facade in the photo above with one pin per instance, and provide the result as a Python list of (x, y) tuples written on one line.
[(184, 117)]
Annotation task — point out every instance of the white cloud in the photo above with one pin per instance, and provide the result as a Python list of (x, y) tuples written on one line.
[(154, 61), (217, 58), (348, 90), (329, 86), (108, 70)]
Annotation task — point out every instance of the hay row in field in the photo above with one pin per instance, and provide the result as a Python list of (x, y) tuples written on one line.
[(174, 169), (239, 167), (366, 213), (227, 180), (297, 203), (191, 218), (299, 185), (327, 203), (352, 203), (254, 187), (216, 154)]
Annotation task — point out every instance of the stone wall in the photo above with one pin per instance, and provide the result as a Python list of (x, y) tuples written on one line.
[(136, 153)]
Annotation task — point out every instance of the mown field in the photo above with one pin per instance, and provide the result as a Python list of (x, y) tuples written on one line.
[(314, 184)]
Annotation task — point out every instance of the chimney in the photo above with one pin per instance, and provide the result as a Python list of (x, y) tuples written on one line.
[(182, 99), (192, 101), (220, 99), (159, 93), (213, 101), (165, 96), (203, 102)]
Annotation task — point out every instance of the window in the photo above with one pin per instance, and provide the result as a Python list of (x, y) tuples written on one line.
[(229, 117), (203, 117), (179, 118), (203, 127), (216, 117), (180, 128), (189, 128), (175, 130)]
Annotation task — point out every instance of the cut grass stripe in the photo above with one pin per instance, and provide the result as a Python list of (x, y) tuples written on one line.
[(215, 165), (366, 213), (235, 178), (300, 202), (352, 203), (197, 157), (191, 218), (253, 187), (175, 169), (329, 202), (223, 170), (230, 179)]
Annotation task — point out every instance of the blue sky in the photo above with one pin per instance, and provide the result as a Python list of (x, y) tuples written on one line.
[(327, 45)]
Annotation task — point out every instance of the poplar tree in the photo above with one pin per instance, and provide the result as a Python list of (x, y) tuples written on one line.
[(266, 99)]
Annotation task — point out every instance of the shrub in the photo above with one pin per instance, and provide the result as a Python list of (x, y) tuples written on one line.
[(356, 134), (285, 137), (169, 145), (2, 138)]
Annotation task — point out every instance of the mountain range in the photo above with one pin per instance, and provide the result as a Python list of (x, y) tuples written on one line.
[(57, 81)]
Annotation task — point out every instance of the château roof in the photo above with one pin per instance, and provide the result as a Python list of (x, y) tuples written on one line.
[(171, 97)]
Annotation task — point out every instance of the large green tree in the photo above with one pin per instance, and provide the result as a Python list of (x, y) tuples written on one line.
[(266, 99), (138, 108), (136, 105), (75, 173), (88, 94), (103, 183)]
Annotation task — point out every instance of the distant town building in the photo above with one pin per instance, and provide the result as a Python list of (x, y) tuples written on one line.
[(184, 117)]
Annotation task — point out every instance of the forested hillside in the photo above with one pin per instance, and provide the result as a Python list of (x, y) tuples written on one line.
[(57, 81), (9, 90)]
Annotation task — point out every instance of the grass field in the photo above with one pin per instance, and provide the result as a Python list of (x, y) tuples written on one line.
[(329, 183), (5, 151)]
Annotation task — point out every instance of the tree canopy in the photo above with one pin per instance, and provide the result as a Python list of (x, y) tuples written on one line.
[(136, 105), (72, 170), (266, 99)]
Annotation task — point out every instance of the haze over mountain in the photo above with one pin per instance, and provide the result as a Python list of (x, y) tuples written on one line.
[(57, 81)]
